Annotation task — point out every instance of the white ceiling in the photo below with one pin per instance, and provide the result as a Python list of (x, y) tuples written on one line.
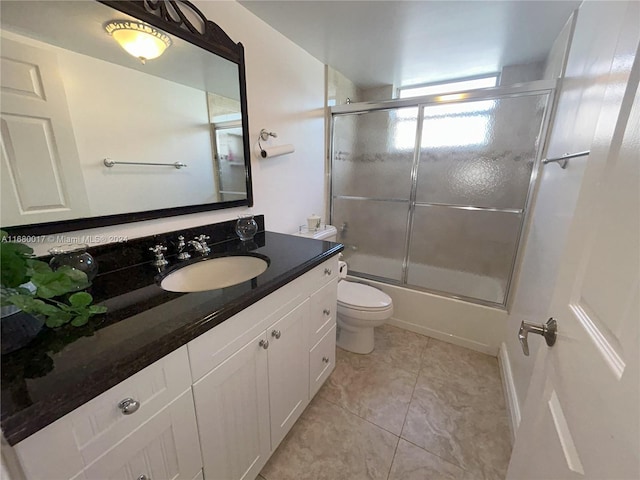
[(377, 43), (79, 26)]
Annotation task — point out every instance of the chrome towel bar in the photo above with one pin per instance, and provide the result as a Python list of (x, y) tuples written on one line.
[(562, 161), (110, 163)]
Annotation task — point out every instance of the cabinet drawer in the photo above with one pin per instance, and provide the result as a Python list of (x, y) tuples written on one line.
[(80, 437), (100, 423), (166, 446), (322, 274), (322, 311), (322, 360)]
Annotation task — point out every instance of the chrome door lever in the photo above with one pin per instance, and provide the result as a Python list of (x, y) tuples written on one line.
[(549, 331)]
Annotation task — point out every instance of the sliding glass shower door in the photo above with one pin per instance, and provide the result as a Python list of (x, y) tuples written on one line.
[(433, 196), (371, 188)]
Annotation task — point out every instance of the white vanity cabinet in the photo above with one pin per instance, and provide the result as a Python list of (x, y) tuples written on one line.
[(253, 373), (249, 379), (250, 401), (152, 437)]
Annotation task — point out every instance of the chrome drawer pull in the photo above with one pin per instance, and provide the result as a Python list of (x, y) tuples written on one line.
[(264, 344), (325, 359), (129, 406), (143, 477), (276, 334)]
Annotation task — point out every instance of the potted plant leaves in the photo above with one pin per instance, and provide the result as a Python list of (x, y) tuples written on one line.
[(33, 287)]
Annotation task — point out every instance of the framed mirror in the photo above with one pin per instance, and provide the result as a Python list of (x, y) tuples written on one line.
[(96, 133)]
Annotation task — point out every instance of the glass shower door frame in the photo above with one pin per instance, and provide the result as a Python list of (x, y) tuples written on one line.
[(540, 87)]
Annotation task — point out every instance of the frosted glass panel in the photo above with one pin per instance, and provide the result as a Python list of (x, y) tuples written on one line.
[(480, 153), (373, 233), (373, 154), (463, 252)]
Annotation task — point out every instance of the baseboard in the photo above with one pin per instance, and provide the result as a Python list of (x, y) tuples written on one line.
[(445, 337), (510, 394)]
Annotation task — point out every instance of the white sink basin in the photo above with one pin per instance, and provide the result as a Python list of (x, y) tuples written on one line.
[(214, 273)]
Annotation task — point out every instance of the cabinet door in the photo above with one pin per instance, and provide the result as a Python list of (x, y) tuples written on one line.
[(288, 371), (232, 407), (164, 448)]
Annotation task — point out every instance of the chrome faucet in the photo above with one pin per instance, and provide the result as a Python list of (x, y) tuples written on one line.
[(182, 252), (199, 244)]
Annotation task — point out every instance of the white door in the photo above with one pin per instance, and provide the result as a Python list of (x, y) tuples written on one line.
[(581, 417), (42, 179)]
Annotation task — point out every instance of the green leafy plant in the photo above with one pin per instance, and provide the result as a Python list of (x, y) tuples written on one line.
[(54, 294)]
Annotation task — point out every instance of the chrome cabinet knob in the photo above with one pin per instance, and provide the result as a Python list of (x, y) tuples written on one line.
[(549, 331), (325, 359), (264, 344), (327, 271), (129, 406), (326, 311), (276, 334), (143, 477)]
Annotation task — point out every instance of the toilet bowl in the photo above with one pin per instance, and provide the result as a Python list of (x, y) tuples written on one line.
[(361, 308)]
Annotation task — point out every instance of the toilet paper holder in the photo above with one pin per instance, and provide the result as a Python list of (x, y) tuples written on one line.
[(273, 151), (342, 269), (265, 134)]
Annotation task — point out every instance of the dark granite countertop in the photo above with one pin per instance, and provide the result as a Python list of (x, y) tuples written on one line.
[(64, 368)]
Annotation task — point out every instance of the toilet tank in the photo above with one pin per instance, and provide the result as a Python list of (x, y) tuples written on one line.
[(325, 232)]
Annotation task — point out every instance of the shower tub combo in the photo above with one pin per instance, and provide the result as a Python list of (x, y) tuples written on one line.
[(430, 198)]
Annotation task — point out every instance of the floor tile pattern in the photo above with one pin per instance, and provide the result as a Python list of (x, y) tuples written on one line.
[(415, 408)]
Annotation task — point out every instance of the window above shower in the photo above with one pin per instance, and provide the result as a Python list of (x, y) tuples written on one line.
[(451, 124), (449, 86)]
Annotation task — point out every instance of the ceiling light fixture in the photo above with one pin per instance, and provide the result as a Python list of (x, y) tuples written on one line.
[(139, 39)]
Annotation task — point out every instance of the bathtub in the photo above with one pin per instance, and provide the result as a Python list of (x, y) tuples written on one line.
[(463, 323)]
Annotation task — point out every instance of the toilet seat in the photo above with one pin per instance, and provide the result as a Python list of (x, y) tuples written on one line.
[(357, 296)]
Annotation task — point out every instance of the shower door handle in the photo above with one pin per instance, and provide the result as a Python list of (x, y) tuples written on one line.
[(549, 331)]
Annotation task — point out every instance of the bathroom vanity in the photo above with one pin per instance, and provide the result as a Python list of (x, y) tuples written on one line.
[(171, 385)]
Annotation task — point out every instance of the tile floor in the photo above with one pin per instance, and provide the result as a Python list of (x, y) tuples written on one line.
[(415, 408)]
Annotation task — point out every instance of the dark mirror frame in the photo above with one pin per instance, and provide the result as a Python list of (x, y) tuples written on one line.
[(169, 16)]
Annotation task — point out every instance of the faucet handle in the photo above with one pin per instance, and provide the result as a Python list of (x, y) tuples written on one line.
[(158, 251)]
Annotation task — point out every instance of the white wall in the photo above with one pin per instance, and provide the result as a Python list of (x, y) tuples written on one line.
[(593, 66), (106, 126), (285, 90)]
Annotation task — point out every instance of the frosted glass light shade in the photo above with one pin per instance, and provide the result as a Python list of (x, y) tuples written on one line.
[(139, 39)]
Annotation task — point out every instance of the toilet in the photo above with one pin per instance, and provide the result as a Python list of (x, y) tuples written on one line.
[(361, 307)]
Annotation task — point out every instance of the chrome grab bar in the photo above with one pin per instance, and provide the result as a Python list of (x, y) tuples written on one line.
[(562, 161), (110, 163)]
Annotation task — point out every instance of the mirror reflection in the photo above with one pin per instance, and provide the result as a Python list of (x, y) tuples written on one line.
[(72, 97)]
